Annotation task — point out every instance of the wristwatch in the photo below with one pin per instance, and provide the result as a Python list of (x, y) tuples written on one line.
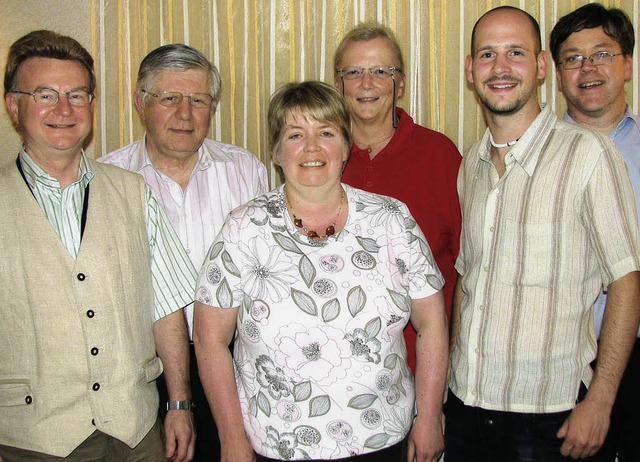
[(180, 405)]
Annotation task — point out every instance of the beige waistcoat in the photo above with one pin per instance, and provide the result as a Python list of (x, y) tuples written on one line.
[(76, 337)]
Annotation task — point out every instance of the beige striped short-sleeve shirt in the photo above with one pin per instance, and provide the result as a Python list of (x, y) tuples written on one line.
[(537, 246)]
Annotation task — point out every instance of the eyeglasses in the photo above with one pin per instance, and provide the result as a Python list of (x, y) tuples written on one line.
[(599, 58), (49, 97), (378, 72), (174, 99)]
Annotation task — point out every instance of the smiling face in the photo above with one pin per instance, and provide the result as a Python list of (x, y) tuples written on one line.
[(506, 65), (311, 153), (371, 99), (51, 132), (175, 132), (593, 91)]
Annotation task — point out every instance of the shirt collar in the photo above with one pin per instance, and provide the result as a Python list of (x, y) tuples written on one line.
[(526, 152), (143, 160), (402, 133), (35, 175), (628, 118)]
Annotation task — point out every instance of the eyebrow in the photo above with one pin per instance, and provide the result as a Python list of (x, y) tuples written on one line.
[(597, 45), (45, 87), (509, 46)]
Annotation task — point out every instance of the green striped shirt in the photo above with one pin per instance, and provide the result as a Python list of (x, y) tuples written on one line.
[(172, 272)]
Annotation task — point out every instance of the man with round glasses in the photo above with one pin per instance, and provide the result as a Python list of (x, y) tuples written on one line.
[(93, 280), (593, 51), (394, 156), (198, 181)]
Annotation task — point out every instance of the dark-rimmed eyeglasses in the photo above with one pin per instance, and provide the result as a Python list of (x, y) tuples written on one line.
[(49, 97), (599, 58), (378, 72), (174, 99)]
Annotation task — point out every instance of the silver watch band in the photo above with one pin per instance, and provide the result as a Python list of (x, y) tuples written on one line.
[(180, 405)]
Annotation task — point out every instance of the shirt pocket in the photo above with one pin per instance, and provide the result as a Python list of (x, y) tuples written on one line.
[(15, 393), (152, 369), (527, 252)]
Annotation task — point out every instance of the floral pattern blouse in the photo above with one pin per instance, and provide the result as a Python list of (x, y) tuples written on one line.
[(320, 359)]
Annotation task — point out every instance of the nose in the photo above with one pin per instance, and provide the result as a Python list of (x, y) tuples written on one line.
[(183, 111), (63, 106), (587, 65), (366, 81), (500, 64), (312, 143)]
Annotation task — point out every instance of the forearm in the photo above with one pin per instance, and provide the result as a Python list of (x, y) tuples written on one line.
[(432, 351), (215, 366), (172, 346), (432, 358), (619, 330), (214, 329)]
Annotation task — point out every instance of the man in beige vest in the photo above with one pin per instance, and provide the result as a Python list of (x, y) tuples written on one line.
[(92, 282)]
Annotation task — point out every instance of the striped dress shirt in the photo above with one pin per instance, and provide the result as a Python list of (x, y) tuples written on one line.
[(224, 177), (537, 246), (173, 275)]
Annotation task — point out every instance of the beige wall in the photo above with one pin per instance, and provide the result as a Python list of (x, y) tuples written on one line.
[(69, 17), (260, 44)]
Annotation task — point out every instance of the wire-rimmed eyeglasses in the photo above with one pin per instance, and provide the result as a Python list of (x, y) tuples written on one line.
[(599, 58), (174, 99), (49, 97), (379, 72)]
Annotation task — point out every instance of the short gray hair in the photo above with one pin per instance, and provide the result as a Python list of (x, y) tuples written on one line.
[(177, 57)]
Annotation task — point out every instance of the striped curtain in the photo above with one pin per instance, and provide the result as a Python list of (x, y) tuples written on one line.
[(260, 44)]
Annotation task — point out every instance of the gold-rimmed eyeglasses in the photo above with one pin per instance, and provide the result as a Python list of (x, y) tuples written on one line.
[(174, 99), (599, 58), (378, 72), (49, 97)]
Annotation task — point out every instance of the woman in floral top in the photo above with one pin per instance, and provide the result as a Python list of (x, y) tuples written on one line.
[(319, 279)]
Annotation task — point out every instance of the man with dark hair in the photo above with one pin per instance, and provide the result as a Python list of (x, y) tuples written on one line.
[(92, 282), (547, 220), (593, 51), (198, 181)]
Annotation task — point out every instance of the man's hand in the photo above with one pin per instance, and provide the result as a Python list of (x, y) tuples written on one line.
[(179, 431), (584, 430)]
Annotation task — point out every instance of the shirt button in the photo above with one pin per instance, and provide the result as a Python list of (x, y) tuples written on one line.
[(90, 314), (96, 386), (481, 307), (476, 351), (28, 400), (486, 269), (95, 351), (81, 277), (492, 229)]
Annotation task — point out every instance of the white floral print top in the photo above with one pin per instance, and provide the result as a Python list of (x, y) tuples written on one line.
[(320, 359)]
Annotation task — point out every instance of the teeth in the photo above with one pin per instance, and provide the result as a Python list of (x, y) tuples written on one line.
[(366, 100), (509, 85), (313, 164), (589, 85)]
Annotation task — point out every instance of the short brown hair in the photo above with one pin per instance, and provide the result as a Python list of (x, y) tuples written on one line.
[(318, 100), (46, 44)]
